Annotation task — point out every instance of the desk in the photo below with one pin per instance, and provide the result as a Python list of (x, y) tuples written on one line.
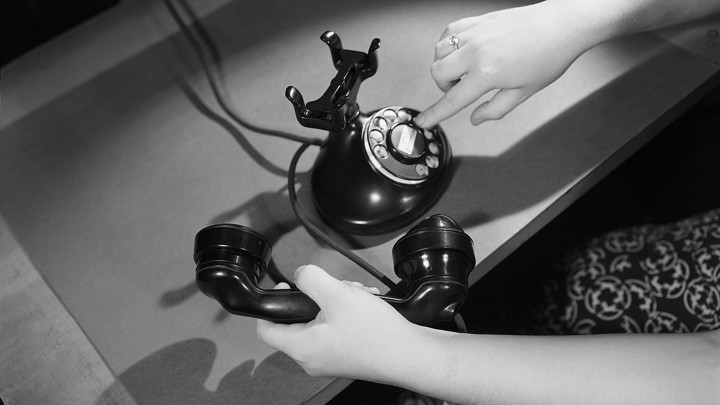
[(113, 155)]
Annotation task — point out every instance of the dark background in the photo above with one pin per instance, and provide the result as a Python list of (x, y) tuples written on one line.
[(26, 24)]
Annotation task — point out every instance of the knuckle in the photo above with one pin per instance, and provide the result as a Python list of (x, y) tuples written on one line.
[(439, 53), (435, 71), (301, 352), (453, 26), (301, 275), (313, 370), (450, 101), (310, 362), (260, 329), (487, 69), (445, 32)]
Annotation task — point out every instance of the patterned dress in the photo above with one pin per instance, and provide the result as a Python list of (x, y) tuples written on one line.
[(644, 279), (650, 279)]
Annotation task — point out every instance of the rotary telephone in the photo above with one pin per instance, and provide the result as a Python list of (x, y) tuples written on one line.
[(377, 172)]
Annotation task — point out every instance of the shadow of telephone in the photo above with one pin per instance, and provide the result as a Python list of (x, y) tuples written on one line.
[(433, 260)]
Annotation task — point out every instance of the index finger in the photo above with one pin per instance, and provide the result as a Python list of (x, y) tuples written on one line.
[(461, 95)]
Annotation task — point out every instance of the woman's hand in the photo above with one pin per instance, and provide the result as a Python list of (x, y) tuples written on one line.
[(516, 51), (355, 334)]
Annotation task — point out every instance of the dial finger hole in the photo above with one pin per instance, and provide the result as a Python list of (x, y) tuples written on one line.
[(377, 136), (422, 170), (404, 115), (390, 115), (380, 123), (380, 152)]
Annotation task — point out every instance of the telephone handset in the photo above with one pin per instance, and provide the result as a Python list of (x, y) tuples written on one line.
[(433, 260), (377, 172)]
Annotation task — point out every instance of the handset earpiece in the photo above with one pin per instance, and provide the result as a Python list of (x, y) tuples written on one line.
[(230, 260), (433, 259)]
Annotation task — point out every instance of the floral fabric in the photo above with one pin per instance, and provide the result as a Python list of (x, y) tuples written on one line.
[(645, 279)]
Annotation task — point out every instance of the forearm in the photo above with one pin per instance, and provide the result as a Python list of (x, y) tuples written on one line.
[(561, 369), (607, 19)]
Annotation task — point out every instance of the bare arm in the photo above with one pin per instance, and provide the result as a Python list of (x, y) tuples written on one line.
[(358, 335), (519, 51), (600, 369)]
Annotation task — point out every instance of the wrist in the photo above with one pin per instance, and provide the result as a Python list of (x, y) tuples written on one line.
[(586, 23), (608, 19), (399, 358), (417, 360)]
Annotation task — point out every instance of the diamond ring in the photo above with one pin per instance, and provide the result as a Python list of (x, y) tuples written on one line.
[(454, 41)]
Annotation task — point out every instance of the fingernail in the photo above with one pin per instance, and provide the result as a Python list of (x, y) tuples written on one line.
[(419, 120), (297, 271), (477, 121)]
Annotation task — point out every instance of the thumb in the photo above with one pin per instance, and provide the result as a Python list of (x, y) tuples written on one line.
[(273, 334), (321, 287)]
